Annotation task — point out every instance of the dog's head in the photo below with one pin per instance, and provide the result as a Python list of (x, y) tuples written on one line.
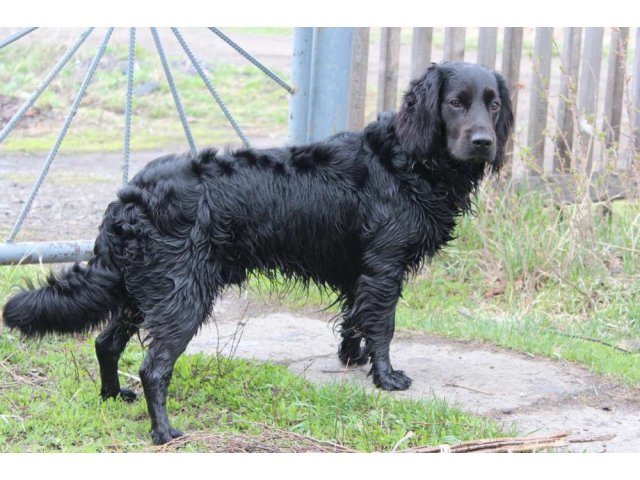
[(462, 109)]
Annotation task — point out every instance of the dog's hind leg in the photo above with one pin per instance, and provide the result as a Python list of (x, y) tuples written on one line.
[(155, 373), (109, 347), (170, 332), (354, 348), (353, 351)]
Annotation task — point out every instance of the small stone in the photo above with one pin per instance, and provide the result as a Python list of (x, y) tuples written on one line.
[(146, 89)]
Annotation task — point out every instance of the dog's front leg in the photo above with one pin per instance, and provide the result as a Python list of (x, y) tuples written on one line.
[(373, 313)]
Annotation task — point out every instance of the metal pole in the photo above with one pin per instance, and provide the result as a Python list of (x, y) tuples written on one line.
[(330, 81), (16, 36), (127, 106), (174, 92), (72, 113), (45, 252), (252, 59), (212, 90), (301, 78)]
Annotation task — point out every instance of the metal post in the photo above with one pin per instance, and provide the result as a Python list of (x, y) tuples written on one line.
[(301, 79), (330, 81), (45, 252)]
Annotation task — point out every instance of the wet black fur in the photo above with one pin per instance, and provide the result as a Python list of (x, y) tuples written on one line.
[(357, 213)]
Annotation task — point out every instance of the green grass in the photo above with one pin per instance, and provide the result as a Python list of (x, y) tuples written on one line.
[(50, 402)]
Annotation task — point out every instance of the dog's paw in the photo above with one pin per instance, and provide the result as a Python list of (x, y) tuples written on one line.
[(353, 351), (124, 394), (127, 395), (393, 380), (160, 438)]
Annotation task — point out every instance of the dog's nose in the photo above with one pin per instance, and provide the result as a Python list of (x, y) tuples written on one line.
[(481, 140)]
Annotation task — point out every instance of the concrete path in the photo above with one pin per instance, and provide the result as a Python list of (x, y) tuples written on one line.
[(537, 395)]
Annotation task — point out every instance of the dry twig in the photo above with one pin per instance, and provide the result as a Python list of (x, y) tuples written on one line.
[(497, 445)]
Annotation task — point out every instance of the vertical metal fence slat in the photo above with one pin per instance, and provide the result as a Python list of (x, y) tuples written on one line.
[(16, 36), (212, 90), (252, 59), (45, 83), (72, 112), (127, 107), (174, 92)]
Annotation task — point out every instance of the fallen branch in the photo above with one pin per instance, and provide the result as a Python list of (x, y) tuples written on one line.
[(602, 438), (471, 389), (129, 376), (497, 445), (594, 340)]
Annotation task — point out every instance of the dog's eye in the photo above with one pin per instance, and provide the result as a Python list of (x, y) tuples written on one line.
[(455, 103), (495, 106)]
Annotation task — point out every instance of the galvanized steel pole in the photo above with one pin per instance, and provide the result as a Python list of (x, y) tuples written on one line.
[(301, 79), (45, 252), (330, 81)]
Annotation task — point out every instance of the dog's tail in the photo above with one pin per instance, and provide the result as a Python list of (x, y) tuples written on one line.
[(77, 300)]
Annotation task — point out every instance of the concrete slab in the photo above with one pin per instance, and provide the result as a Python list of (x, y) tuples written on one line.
[(537, 395)]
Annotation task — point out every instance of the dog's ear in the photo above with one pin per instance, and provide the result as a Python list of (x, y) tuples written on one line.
[(418, 124), (504, 124)]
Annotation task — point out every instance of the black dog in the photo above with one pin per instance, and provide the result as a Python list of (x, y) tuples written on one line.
[(356, 213)]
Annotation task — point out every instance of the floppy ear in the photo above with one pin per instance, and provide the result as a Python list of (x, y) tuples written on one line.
[(418, 124), (505, 123)]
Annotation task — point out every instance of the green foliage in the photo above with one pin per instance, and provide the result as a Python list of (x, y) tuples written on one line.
[(51, 402)]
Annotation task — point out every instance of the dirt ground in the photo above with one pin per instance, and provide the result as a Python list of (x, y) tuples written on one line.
[(537, 395)]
